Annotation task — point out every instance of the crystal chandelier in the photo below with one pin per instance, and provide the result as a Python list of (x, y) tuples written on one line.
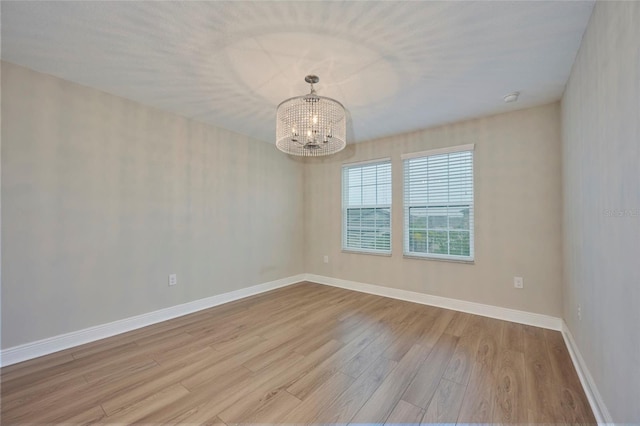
[(311, 125)]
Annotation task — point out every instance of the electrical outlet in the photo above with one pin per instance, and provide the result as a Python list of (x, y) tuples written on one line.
[(326, 259), (518, 282), (579, 312), (173, 279)]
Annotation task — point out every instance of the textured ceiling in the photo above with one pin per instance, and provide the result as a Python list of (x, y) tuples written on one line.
[(396, 66)]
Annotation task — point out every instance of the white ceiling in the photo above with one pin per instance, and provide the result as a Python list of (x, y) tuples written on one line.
[(396, 66)]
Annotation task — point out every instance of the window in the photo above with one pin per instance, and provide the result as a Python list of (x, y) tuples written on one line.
[(366, 207), (438, 203)]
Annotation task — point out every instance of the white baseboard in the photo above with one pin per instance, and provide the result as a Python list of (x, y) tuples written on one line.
[(68, 340), (598, 406), (64, 341), (513, 315)]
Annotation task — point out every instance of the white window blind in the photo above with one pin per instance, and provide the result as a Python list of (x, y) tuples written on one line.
[(366, 207), (438, 204)]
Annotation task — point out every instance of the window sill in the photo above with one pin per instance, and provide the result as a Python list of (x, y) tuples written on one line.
[(440, 259), (374, 253)]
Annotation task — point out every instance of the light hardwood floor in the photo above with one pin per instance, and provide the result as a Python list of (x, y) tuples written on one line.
[(306, 354)]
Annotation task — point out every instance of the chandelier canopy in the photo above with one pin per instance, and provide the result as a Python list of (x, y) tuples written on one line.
[(311, 125)]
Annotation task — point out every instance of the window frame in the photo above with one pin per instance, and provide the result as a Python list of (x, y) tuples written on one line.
[(406, 206), (344, 190)]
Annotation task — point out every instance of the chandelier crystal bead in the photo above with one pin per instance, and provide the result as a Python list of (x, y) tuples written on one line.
[(311, 125)]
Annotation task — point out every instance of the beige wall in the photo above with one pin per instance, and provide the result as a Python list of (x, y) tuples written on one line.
[(601, 169), (102, 198), (517, 210)]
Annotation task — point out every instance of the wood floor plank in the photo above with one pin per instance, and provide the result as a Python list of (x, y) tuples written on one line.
[(166, 377), (130, 414), (263, 360), (478, 401), (457, 324), (385, 398), (391, 332), (539, 384), (208, 400), (367, 305), (510, 405), (572, 405), (530, 332), (269, 411), (306, 353), (445, 404), (71, 368), (94, 415), (47, 390), (342, 409), (409, 331), (513, 337), (169, 356), (32, 366), (313, 408), (102, 346), (363, 359), (217, 373), (459, 368), (210, 392), (489, 343), (274, 380), (352, 328), (110, 373), (310, 341), (95, 393), (560, 359), (309, 382), (425, 382), (405, 413), (440, 324)]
